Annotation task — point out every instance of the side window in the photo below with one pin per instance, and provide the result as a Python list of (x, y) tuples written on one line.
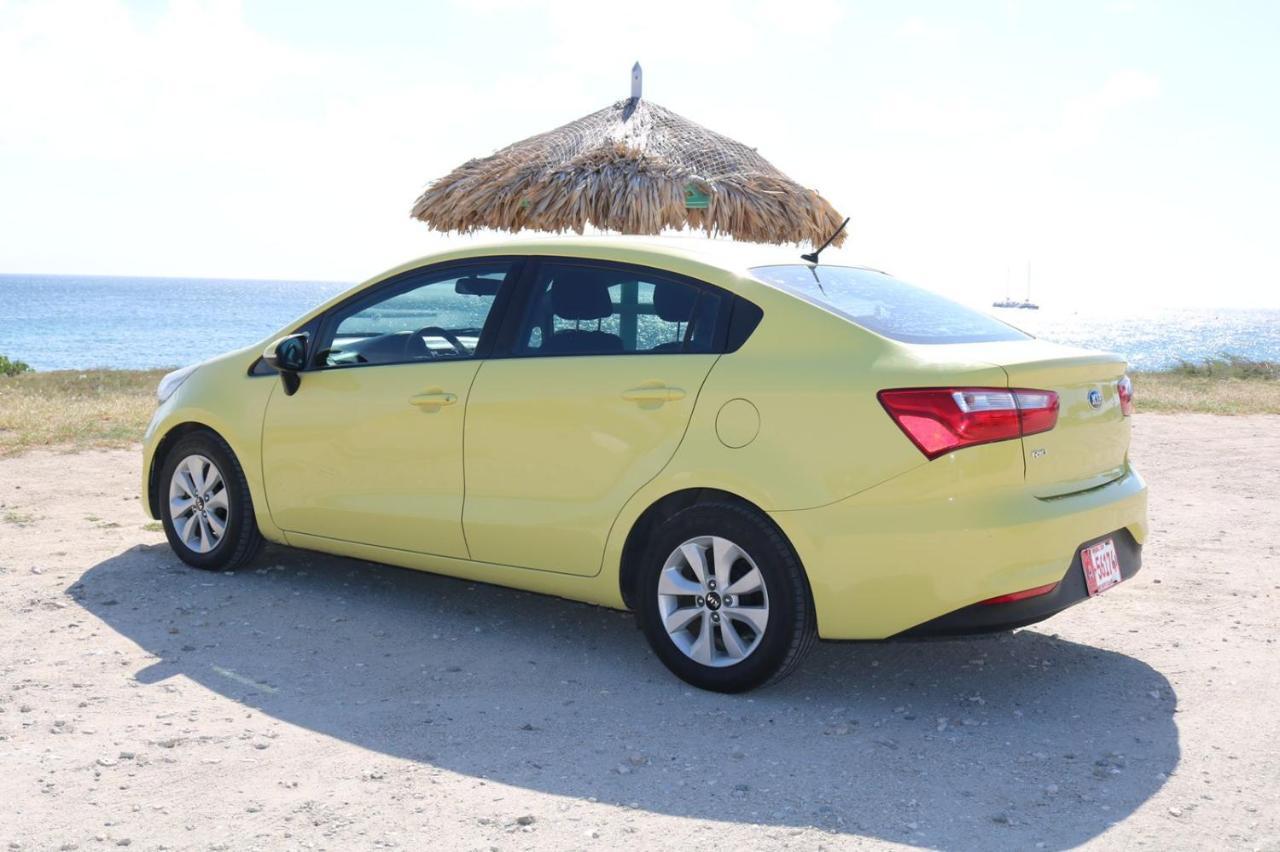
[(427, 317), (605, 310)]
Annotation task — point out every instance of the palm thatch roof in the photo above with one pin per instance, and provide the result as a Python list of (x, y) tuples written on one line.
[(633, 167)]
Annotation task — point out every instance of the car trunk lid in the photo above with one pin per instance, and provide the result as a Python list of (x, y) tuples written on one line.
[(1089, 445)]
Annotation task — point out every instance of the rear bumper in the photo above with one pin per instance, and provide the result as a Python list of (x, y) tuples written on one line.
[(1071, 590), (948, 535)]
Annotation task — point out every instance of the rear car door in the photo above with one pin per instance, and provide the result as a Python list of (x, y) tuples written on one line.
[(369, 448), (602, 365)]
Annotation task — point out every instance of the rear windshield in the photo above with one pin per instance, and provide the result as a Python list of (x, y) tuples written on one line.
[(886, 305)]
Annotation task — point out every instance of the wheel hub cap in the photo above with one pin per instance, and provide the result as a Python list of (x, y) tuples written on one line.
[(198, 507), (713, 601)]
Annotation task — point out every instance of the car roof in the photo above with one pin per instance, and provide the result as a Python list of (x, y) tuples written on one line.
[(724, 253)]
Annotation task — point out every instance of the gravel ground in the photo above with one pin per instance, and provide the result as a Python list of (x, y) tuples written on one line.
[(317, 702)]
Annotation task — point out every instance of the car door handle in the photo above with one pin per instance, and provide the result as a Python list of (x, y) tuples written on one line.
[(433, 399), (653, 393)]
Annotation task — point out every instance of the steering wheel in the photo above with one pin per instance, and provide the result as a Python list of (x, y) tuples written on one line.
[(418, 339)]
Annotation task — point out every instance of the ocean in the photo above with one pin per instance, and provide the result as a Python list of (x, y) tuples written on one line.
[(77, 322)]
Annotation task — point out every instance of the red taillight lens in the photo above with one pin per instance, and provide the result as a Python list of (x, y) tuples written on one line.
[(940, 420), (1124, 389), (1021, 596)]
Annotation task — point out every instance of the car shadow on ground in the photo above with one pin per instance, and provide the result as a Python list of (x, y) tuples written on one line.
[(1013, 742)]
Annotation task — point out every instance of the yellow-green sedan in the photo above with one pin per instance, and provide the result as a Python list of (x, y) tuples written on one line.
[(749, 450)]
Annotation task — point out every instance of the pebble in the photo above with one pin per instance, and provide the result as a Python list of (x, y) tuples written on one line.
[(527, 819), (1177, 812)]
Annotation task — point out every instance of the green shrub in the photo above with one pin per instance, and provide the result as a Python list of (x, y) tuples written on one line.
[(13, 368), (1227, 366)]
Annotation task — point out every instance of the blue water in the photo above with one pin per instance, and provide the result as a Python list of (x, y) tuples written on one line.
[(77, 322), (70, 323)]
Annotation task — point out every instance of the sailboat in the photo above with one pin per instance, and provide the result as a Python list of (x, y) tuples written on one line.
[(1010, 302)]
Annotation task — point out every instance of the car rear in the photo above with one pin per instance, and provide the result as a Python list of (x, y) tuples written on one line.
[(1024, 502)]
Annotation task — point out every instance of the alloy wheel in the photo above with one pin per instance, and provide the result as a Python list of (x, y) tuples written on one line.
[(198, 507), (713, 601)]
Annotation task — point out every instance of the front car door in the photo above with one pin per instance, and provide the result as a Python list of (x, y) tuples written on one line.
[(602, 369), (369, 448)]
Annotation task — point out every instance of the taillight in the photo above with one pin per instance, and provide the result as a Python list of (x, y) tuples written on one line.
[(1124, 389), (1021, 596), (939, 420)]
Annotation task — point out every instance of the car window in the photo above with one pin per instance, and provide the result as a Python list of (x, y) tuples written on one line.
[(429, 316), (616, 310), (887, 306)]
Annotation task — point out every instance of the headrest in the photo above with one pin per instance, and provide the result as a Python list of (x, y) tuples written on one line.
[(581, 294), (673, 302)]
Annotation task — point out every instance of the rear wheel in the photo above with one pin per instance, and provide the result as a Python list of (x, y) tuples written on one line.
[(205, 504), (723, 600)]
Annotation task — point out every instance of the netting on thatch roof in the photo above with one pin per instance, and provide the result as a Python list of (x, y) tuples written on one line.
[(633, 167)]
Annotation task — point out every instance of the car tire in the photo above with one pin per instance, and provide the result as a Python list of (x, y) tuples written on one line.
[(745, 619), (205, 505)]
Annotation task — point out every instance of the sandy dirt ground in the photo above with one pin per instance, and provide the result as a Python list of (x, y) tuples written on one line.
[(321, 703)]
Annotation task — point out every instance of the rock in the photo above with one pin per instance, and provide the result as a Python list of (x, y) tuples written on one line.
[(637, 759), (106, 761), (1177, 812), (527, 819)]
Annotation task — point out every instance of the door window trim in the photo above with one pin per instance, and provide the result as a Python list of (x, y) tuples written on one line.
[(408, 280), (505, 345)]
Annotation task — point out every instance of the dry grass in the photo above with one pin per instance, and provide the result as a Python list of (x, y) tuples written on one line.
[(75, 409), (1176, 392)]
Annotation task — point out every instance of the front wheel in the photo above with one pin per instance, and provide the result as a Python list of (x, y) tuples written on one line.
[(205, 504), (723, 600)]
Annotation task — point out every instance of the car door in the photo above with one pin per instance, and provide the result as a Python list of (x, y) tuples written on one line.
[(602, 366), (369, 448)]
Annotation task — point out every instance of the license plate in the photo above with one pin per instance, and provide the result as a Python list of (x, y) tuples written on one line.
[(1101, 566)]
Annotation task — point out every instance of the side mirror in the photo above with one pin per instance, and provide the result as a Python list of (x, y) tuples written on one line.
[(287, 356)]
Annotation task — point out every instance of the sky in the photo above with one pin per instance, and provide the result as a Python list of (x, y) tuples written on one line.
[(1127, 151)]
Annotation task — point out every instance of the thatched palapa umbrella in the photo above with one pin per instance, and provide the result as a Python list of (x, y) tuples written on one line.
[(633, 167)]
